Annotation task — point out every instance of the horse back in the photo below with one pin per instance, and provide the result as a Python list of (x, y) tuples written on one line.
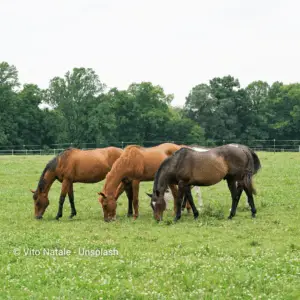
[(84, 165)]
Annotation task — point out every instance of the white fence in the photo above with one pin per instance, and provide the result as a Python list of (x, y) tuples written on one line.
[(30, 152), (256, 145)]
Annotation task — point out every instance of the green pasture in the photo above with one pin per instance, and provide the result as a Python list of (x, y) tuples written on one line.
[(210, 258)]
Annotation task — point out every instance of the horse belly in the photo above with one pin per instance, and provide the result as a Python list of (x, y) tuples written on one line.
[(210, 172), (90, 174)]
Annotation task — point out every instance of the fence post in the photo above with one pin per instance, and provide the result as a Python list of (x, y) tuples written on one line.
[(12, 151), (274, 145), (122, 145)]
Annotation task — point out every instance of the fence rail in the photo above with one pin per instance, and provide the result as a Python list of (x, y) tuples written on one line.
[(54, 149)]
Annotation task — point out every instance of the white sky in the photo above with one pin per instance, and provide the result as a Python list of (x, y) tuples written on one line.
[(176, 44)]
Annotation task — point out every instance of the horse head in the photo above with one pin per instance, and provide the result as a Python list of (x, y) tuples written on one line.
[(158, 204), (109, 206), (41, 202)]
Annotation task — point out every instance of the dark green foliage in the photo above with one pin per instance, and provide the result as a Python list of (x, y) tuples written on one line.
[(82, 112)]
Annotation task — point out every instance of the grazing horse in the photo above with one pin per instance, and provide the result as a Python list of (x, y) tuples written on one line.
[(234, 163), (196, 188), (137, 164), (74, 165)]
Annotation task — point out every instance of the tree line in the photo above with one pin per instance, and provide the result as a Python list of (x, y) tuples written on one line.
[(81, 109)]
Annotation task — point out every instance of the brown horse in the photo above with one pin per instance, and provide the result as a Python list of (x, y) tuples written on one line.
[(73, 165), (234, 163), (137, 164)]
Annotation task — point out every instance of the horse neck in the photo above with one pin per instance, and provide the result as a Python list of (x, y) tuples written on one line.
[(125, 166), (161, 182), (112, 182), (49, 177)]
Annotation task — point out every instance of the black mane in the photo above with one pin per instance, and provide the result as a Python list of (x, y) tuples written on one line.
[(164, 163), (51, 166)]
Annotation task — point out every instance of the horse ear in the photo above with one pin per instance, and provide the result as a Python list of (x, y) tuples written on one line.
[(101, 194), (157, 193), (32, 191), (150, 195)]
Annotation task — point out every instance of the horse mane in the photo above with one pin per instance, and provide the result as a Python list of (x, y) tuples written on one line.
[(164, 163), (130, 163), (157, 174), (51, 166)]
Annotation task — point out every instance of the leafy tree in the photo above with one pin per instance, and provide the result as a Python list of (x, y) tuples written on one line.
[(29, 117), (8, 104), (74, 96)]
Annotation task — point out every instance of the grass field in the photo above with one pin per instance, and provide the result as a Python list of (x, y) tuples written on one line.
[(211, 258)]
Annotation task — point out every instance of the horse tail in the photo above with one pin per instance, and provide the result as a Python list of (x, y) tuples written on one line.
[(256, 161), (254, 165), (248, 183)]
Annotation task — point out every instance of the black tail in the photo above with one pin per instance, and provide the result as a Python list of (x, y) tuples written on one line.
[(255, 166), (256, 161), (248, 183)]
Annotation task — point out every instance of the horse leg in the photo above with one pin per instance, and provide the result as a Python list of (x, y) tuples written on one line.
[(174, 191), (135, 200), (189, 196), (184, 203), (250, 201), (187, 204), (63, 193), (181, 190), (71, 200), (129, 192), (234, 195)]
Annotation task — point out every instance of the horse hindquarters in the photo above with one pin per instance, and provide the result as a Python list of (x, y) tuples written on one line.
[(236, 190)]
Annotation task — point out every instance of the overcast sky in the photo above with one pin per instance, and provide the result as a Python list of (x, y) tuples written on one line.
[(176, 44)]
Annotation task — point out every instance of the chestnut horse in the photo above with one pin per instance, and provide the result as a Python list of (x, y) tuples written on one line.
[(74, 165), (234, 163), (137, 164)]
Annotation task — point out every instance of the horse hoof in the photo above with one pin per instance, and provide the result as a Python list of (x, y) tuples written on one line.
[(58, 217), (196, 216), (129, 215), (253, 216), (230, 218)]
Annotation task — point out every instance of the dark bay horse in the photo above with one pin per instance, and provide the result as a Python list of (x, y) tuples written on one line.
[(74, 165), (136, 164), (234, 163)]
